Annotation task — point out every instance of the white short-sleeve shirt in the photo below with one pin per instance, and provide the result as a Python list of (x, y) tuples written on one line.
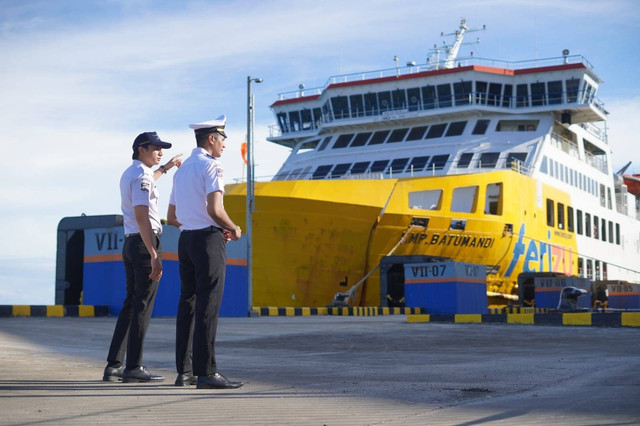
[(138, 188), (199, 176)]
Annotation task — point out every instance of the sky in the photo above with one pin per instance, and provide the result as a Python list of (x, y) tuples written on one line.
[(80, 79)]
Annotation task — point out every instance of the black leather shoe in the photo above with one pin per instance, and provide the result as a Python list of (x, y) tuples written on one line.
[(216, 381), (113, 374), (139, 374), (186, 379)]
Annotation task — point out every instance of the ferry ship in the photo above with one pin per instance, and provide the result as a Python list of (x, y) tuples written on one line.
[(501, 164)]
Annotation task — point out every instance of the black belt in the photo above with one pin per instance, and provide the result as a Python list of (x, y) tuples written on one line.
[(207, 229), (155, 232)]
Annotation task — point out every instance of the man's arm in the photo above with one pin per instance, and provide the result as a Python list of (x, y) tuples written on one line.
[(146, 232), (175, 161), (172, 219), (216, 210)]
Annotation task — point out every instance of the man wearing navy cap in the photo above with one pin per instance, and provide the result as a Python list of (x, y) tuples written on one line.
[(196, 206), (142, 257)]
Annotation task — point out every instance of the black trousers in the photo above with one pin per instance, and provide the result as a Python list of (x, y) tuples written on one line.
[(203, 256), (133, 321)]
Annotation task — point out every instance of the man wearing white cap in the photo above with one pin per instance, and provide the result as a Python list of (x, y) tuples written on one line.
[(196, 206), (142, 258)]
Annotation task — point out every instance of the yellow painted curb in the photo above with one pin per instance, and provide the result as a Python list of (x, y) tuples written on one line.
[(520, 319), (21, 310), (631, 319), (465, 318), (578, 318), (55, 311), (419, 318), (85, 311)]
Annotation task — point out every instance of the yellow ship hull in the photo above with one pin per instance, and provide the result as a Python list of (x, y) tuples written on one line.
[(313, 239)]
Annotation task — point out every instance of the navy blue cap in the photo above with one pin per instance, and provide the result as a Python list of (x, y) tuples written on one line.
[(148, 138)]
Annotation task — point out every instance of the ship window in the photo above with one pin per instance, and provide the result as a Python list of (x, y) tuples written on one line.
[(550, 213), (371, 104), (517, 125), (456, 128), (417, 164), (465, 160), (444, 95), (307, 146), (589, 269), (587, 224), (294, 121), (307, 121), (305, 173), (399, 99), (428, 97), (282, 175), (596, 227), (522, 96), (610, 231), (481, 92), (506, 97), (488, 160), (543, 164), (343, 141), (560, 216), (481, 127), (580, 267), (494, 94), (360, 167), (317, 117), (464, 199), (436, 131), (294, 174), (554, 89), (340, 106), (602, 196), (579, 222), (414, 98), (617, 233), (340, 170), (417, 133), (537, 94), (397, 135), (378, 137), (326, 110), (282, 122), (516, 158), (397, 165), (570, 222), (493, 202), (379, 166), (384, 100), (322, 171), (572, 90), (426, 200), (324, 143), (603, 229), (357, 106), (462, 91), (438, 162), (360, 139)]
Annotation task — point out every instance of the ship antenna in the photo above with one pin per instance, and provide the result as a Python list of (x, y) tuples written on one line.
[(453, 49)]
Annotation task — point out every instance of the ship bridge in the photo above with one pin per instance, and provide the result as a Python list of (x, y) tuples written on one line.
[(565, 86)]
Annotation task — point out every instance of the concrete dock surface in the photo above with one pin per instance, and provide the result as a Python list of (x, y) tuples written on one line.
[(323, 370)]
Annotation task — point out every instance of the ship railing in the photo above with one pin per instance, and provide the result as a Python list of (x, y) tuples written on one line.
[(411, 68), (565, 145), (595, 131)]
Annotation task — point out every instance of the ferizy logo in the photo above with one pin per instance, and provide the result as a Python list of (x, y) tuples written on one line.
[(540, 256)]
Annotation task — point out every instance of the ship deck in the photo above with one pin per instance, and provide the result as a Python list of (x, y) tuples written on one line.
[(329, 370)]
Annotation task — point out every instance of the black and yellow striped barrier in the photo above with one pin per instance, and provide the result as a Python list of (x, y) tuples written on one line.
[(54, 311), (364, 311), (597, 319)]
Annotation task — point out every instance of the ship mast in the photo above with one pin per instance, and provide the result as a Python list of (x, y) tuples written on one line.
[(453, 49)]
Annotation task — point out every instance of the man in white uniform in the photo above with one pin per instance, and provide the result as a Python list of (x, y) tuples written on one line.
[(142, 257), (196, 207)]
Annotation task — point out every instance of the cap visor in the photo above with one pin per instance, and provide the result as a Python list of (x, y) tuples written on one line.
[(161, 144)]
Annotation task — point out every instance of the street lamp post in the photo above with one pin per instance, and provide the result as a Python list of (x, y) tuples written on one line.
[(250, 193)]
